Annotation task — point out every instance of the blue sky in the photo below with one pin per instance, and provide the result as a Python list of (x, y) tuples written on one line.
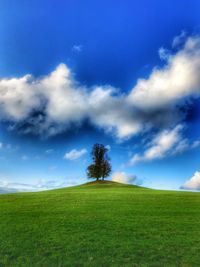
[(75, 73)]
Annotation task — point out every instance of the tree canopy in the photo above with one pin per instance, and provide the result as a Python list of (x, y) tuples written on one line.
[(101, 167)]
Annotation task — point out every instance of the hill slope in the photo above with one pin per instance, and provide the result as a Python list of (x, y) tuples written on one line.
[(100, 224)]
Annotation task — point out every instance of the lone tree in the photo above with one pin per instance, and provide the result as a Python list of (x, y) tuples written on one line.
[(101, 167)]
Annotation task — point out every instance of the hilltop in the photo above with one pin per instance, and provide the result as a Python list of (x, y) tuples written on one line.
[(107, 184), (100, 224)]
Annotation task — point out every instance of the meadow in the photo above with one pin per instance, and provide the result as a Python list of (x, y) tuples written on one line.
[(100, 224)]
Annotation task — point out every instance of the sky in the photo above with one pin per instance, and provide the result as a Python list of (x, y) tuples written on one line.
[(125, 74)]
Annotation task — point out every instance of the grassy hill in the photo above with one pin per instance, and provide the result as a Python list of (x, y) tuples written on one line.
[(100, 224)]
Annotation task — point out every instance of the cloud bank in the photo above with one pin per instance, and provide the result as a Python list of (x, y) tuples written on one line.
[(7, 186), (193, 183), (49, 105), (122, 177)]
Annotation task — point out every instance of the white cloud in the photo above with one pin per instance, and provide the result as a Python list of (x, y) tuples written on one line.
[(180, 39), (193, 183), (179, 78), (163, 53), (109, 111), (49, 105), (66, 102), (122, 177), (108, 147), (196, 144), (18, 97), (165, 143), (7, 186), (75, 154), (56, 99)]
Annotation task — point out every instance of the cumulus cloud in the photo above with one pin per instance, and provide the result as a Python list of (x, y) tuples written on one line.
[(75, 154), (18, 97), (178, 79), (193, 183), (51, 104), (47, 105), (164, 143), (122, 177)]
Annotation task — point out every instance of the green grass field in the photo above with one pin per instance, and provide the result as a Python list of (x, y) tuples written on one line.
[(100, 224)]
